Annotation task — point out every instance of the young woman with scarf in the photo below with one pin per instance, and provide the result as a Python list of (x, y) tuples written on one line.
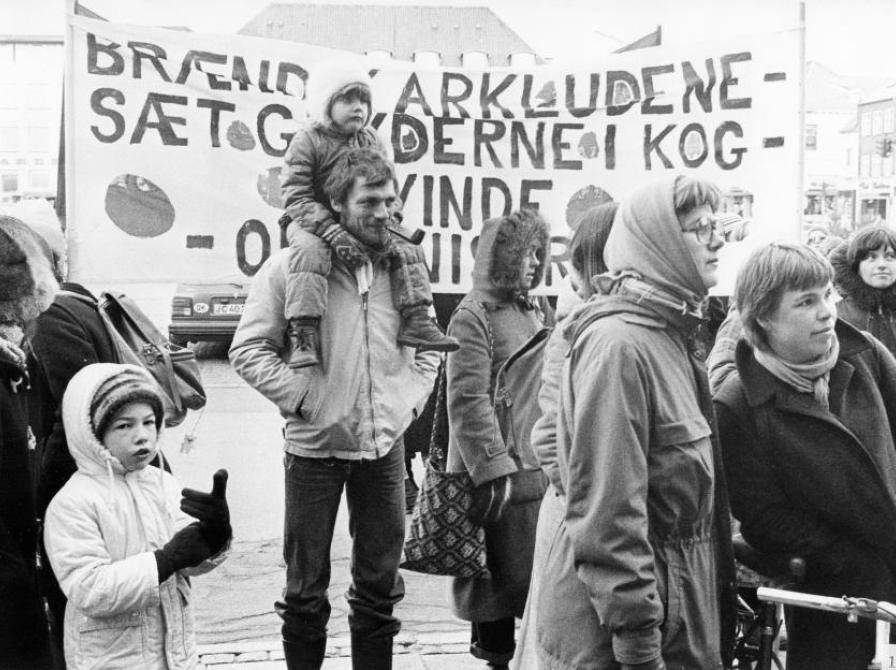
[(806, 426)]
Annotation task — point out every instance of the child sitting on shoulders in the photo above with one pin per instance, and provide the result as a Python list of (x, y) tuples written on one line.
[(339, 103)]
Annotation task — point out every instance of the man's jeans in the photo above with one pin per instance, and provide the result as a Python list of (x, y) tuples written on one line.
[(375, 495)]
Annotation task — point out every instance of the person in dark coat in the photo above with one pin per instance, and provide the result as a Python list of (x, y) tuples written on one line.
[(492, 321), (27, 287), (865, 277), (806, 426), (66, 337)]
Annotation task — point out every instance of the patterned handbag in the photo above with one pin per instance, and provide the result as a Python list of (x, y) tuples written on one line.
[(441, 539)]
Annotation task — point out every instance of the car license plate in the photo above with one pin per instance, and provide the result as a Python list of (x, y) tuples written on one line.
[(232, 308)]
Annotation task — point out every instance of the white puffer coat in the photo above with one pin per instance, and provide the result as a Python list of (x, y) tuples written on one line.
[(101, 530)]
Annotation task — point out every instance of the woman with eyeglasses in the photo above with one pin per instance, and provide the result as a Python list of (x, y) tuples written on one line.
[(640, 574), (806, 427)]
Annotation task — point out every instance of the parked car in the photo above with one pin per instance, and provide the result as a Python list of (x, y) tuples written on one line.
[(207, 311)]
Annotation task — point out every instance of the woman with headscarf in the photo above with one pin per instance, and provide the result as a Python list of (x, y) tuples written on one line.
[(27, 287), (640, 574), (493, 321)]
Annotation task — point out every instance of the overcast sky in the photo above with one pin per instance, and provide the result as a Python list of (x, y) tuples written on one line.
[(849, 36)]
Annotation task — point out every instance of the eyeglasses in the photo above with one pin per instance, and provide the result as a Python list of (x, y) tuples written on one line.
[(704, 227)]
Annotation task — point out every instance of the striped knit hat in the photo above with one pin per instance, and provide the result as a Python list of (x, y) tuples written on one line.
[(130, 384)]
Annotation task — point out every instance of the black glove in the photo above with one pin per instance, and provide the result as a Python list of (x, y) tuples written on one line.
[(656, 664), (211, 509), (186, 549), (490, 500), (348, 248)]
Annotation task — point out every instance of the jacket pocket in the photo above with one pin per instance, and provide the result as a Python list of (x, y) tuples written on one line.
[(110, 642), (669, 587), (186, 615), (681, 474), (312, 400), (682, 431), (482, 423)]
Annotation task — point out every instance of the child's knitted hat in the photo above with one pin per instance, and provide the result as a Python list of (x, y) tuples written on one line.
[(331, 79), (130, 384)]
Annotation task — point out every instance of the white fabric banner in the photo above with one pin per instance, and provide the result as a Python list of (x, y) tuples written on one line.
[(175, 143)]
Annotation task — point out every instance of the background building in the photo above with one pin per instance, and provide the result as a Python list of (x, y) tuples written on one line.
[(832, 150), (30, 115), (447, 35), (877, 132)]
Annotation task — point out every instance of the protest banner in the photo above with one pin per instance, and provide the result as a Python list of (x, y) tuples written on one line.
[(175, 143)]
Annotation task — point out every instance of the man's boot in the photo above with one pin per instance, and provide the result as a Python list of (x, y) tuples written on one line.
[(494, 660), (371, 653), (419, 330), (303, 335), (304, 654)]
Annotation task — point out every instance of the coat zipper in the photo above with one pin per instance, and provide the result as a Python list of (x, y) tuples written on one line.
[(364, 301)]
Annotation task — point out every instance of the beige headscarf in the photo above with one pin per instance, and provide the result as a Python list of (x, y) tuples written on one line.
[(647, 240)]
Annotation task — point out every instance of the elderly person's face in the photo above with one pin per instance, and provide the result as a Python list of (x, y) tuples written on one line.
[(703, 239), (800, 329)]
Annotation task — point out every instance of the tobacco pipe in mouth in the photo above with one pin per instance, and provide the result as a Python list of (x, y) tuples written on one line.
[(415, 237)]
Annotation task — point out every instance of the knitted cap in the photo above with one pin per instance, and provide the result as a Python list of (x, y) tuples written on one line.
[(130, 384), (330, 80)]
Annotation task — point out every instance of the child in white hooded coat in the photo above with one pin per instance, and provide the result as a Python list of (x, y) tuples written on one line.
[(117, 534)]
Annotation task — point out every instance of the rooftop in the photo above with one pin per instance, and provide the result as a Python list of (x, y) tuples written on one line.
[(399, 30)]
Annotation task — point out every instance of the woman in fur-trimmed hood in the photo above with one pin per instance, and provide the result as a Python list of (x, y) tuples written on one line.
[(492, 321), (865, 276), (27, 287)]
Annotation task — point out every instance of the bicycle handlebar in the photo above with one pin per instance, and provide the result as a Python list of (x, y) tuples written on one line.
[(852, 608)]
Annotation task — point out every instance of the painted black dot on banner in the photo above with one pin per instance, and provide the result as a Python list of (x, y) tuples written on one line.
[(139, 207), (583, 200), (240, 137)]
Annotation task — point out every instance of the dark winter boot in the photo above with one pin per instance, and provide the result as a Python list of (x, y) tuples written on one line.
[(303, 335), (371, 653), (492, 642), (496, 660), (304, 654), (419, 330)]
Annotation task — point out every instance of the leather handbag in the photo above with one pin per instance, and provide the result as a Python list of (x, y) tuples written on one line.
[(442, 539), (138, 341)]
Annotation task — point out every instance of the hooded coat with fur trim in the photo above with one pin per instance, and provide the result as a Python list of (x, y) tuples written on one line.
[(101, 531), (318, 145), (24, 265), (492, 321), (865, 307)]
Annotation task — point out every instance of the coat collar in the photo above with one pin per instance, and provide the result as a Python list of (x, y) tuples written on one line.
[(760, 385)]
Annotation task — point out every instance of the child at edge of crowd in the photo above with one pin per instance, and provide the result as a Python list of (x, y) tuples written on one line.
[(339, 109), (119, 545)]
